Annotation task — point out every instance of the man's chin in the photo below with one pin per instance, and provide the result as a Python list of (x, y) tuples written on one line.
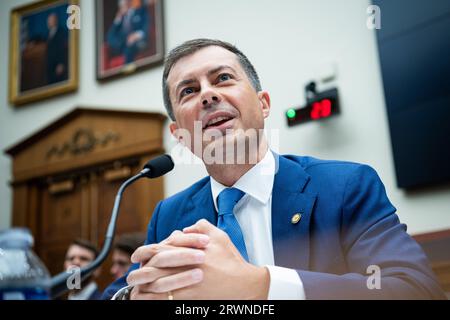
[(230, 149)]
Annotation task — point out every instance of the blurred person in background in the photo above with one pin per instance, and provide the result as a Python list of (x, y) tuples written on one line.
[(79, 254), (124, 247)]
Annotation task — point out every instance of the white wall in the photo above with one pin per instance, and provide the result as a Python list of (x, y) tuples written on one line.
[(286, 41)]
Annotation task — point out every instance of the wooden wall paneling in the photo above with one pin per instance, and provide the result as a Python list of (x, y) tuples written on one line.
[(20, 204), (93, 209), (436, 246), (61, 222), (33, 215), (85, 207), (442, 271), (26, 209)]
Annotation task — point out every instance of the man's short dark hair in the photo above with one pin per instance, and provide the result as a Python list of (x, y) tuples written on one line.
[(86, 244), (129, 242), (191, 46)]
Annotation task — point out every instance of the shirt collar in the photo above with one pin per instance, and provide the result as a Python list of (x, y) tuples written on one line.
[(257, 182)]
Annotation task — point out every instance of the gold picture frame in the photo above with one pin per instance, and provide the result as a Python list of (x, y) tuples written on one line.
[(43, 53)]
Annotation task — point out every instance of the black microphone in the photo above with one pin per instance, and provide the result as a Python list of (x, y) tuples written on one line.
[(154, 168), (158, 166)]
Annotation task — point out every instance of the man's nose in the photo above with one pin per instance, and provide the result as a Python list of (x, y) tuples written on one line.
[(210, 100), (113, 269), (209, 97), (76, 262)]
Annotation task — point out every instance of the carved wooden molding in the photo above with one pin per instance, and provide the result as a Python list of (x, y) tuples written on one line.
[(117, 174), (83, 141), (61, 187), (86, 137)]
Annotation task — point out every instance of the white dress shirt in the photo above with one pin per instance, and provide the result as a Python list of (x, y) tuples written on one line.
[(254, 214)]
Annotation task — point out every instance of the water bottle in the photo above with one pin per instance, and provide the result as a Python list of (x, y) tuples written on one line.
[(22, 274)]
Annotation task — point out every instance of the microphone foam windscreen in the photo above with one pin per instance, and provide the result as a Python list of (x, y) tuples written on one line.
[(159, 166)]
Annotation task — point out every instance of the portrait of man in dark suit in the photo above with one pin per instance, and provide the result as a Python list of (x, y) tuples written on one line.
[(44, 48), (129, 35), (57, 51)]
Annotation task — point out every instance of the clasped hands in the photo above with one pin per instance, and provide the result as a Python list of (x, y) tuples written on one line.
[(199, 262)]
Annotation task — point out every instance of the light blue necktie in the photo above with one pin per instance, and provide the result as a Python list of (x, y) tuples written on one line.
[(227, 221)]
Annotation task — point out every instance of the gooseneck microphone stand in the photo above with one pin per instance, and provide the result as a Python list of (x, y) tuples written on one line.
[(153, 169)]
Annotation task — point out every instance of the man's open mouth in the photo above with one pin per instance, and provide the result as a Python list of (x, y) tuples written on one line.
[(218, 122)]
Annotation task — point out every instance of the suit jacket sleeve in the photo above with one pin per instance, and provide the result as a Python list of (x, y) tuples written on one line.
[(371, 234), (115, 37)]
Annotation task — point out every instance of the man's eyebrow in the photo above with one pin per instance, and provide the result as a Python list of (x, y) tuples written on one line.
[(219, 68), (210, 72)]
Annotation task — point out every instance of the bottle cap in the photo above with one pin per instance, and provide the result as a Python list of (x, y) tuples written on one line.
[(16, 238)]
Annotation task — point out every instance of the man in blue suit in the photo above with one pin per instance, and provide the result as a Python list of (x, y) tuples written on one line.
[(264, 226), (128, 33), (57, 51)]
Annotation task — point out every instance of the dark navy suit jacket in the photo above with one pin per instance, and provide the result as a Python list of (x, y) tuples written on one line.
[(347, 224), (57, 53), (117, 35)]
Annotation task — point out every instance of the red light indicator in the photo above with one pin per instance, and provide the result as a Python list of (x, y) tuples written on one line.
[(315, 112), (321, 109), (326, 107)]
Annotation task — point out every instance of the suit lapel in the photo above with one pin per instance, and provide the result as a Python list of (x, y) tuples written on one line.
[(291, 240), (201, 206)]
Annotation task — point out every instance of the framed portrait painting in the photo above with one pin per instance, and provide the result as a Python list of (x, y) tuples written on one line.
[(129, 36), (43, 50)]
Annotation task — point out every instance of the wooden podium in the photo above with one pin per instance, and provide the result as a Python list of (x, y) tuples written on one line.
[(65, 178)]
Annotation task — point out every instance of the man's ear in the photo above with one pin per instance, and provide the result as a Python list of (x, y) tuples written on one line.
[(174, 131), (173, 127), (264, 99)]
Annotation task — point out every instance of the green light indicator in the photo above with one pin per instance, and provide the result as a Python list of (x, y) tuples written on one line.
[(291, 113)]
